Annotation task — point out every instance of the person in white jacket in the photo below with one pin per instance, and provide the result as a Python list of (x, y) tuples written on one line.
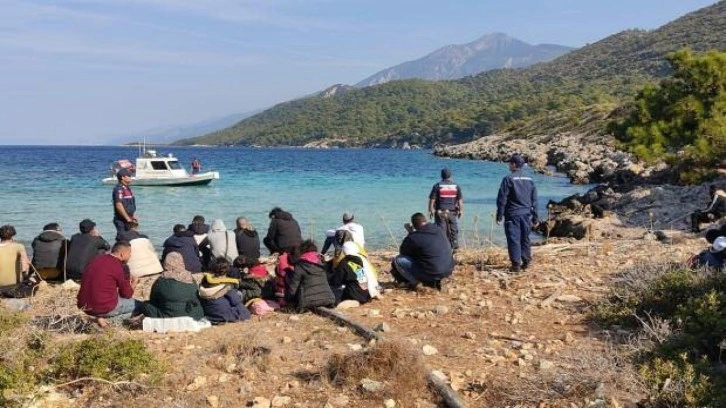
[(355, 229), (222, 242)]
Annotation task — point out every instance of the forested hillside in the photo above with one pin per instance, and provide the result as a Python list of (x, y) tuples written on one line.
[(609, 71)]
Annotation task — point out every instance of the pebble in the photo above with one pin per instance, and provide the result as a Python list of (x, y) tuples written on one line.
[(259, 402), (294, 318), (374, 313), (382, 327), (286, 340), (442, 310), (389, 403), (355, 347), (370, 386), (213, 401), (281, 401), (223, 378), (348, 304), (429, 350), (546, 365), (470, 336), (198, 382)]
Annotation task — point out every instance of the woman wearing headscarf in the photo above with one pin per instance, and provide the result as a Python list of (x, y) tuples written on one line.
[(174, 294)]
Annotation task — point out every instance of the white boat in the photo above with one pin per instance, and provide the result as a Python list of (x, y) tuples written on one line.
[(153, 170)]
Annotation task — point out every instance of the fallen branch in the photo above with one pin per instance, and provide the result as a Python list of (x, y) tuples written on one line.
[(451, 398), (115, 384)]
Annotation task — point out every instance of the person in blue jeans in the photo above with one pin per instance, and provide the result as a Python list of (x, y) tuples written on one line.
[(425, 255), (517, 207)]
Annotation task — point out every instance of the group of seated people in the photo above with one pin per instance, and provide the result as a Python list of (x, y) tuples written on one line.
[(714, 256), (208, 271)]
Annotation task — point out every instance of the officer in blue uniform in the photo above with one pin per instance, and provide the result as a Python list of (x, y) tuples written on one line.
[(517, 207), (446, 204), (124, 203)]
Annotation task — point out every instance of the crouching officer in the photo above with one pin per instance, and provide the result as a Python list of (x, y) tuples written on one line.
[(517, 207), (447, 206)]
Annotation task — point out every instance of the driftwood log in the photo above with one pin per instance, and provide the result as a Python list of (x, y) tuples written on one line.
[(451, 398)]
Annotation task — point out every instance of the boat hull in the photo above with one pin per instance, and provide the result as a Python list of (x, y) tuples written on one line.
[(192, 180)]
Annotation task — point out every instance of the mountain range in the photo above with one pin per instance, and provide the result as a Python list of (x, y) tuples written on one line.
[(606, 73), (491, 51)]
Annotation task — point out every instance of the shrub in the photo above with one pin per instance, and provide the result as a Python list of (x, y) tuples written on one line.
[(105, 358)]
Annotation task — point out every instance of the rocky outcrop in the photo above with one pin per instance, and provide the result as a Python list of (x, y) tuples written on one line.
[(582, 159)]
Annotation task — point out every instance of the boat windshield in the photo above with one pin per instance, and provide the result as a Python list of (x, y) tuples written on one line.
[(174, 165)]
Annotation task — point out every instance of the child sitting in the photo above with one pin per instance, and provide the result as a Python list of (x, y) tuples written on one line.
[(219, 296)]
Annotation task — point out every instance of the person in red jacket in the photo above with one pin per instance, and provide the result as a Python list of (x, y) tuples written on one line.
[(106, 288)]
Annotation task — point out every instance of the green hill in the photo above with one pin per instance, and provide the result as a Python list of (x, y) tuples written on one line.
[(609, 71)]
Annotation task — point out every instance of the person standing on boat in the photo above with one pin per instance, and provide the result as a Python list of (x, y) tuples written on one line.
[(124, 203), (196, 166)]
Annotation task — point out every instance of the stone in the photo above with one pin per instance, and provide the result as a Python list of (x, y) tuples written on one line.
[(281, 401), (259, 402), (370, 386), (470, 336), (294, 318), (441, 309), (546, 365), (389, 403), (374, 313), (568, 337), (355, 347), (198, 382), (348, 304), (223, 378), (382, 327), (286, 340), (429, 350), (213, 401)]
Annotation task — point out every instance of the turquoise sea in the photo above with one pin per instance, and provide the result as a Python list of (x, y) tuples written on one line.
[(382, 187)]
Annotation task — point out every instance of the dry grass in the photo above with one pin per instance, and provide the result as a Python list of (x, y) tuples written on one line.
[(398, 367), (233, 356)]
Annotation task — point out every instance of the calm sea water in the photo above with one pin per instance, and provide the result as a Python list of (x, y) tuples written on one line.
[(383, 188)]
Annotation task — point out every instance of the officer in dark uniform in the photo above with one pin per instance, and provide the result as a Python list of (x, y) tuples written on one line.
[(447, 206), (517, 207), (124, 203)]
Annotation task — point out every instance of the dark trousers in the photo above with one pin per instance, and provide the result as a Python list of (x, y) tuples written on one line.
[(120, 227), (517, 229), (449, 222), (699, 217)]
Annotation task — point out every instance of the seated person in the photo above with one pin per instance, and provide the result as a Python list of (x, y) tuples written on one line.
[(221, 242), (715, 210), (218, 293), (183, 243), (175, 293), (425, 255), (144, 259), (713, 233), (308, 285), (248, 240), (106, 290), (254, 281), (49, 252), (83, 247), (713, 257), (14, 262), (283, 272), (356, 232), (199, 230), (349, 280)]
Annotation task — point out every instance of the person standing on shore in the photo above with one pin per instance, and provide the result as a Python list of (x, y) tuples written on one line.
[(124, 203), (446, 205), (517, 207)]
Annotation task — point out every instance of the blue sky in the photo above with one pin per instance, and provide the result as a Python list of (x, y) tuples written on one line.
[(80, 71)]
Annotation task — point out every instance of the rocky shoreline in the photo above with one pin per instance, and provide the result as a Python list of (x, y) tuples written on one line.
[(583, 158)]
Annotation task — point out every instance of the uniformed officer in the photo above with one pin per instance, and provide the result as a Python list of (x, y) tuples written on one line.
[(517, 207), (446, 204), (124, 202)]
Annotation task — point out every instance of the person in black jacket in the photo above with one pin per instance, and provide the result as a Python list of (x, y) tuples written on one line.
[(284, 232), (425, 255), (517, 207), (84, 247), (248, 240), (185, 244), (308, 286), (49, 251)]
